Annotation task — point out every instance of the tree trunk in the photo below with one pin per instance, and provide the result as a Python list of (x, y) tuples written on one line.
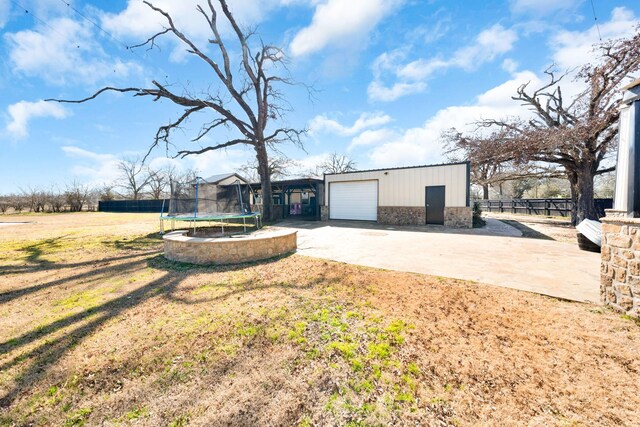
[(485, 191), (265, 182), (585, 208), (581, 180)]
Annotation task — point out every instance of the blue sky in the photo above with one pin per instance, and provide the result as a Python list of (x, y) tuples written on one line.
[(388, 76)]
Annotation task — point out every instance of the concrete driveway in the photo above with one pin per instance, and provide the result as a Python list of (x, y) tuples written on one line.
[(494, 255)]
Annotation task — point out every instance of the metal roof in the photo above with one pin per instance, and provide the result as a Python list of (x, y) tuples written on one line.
[(631, 85), (402, 167), (214, 179), (290, 182)]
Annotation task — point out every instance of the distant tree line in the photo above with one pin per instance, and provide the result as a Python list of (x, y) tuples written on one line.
[(135, 181), (74, 197), (139, 181)]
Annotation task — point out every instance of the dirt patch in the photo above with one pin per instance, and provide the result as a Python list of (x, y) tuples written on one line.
[(97, 327)]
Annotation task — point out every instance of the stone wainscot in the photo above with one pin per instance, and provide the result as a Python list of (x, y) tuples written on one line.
[(228, 250), (454, 217), (620, 265)]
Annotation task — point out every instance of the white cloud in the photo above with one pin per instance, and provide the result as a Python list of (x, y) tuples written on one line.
[(96, 168), (377, 91), (366, 120), (339, 22), (541, 7), (411, 77), (21, 113), (101, 168), (5, 10), (77, 152), (219, 161), (68, 54), (422, 144), (373, 137), (575, 48), (138, 21), (307, 166), (510, 66), (489, 44), (432, 32)]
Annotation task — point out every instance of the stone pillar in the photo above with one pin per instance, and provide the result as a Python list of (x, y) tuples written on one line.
[(458, 217), (620, 262), (324, 213)]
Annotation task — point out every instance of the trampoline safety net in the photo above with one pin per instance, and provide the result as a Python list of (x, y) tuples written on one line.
[(199, 201)]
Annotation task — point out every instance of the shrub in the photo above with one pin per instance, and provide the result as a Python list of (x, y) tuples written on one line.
[(477, 216)]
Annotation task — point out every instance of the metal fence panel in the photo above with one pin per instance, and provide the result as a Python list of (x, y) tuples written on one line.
[(134, 206), (546, 207)]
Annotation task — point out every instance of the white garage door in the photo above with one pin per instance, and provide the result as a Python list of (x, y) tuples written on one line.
[(353, 200)]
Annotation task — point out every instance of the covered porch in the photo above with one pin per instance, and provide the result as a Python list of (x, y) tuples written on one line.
[(293, 198)]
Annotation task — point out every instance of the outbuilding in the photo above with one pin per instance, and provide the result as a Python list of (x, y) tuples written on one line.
[(414, 195)]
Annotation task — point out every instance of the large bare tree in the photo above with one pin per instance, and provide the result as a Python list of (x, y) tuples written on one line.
[(246, 98), (575, 133)]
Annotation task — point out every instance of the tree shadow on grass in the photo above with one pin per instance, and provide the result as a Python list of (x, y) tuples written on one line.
[(105, 264), (75, 328), (137, 243), (44, 355), (37, 250)]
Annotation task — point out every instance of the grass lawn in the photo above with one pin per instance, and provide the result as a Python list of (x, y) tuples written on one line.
[(97, 328)]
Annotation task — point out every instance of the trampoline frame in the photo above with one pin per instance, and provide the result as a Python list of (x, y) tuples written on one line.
[(218, 218)]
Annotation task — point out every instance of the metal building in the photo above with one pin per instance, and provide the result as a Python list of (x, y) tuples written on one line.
[(416, 195)]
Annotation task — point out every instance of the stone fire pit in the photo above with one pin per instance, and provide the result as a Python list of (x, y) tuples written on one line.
[(263, 244)]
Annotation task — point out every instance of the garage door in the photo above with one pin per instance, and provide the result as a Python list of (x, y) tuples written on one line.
[(353, 200)]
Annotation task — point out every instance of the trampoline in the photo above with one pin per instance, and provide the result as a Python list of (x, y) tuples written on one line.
[(200, 203)]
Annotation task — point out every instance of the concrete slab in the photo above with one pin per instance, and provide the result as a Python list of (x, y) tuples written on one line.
[(493, 255)]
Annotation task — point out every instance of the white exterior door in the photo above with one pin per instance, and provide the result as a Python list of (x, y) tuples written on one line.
[(353, 200)]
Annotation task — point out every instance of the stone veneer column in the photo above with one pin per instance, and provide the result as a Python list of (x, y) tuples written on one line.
[(458, 217), (620, 263), (324, 213)]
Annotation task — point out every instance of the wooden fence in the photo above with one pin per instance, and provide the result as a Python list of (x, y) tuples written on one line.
[(546, 207)]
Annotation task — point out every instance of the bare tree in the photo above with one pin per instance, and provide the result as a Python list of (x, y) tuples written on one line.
[(56, 200), (491, 165), (246, 102), (134, 177), (5, 204), (106, 192), (18, 202), (158, 181), (176, 176), (488, 162), (337, 163), (577, 133), (76, 196), (35, 198), (279, 167)]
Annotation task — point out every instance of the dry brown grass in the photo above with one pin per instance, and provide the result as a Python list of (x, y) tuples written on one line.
[(97, 328)]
